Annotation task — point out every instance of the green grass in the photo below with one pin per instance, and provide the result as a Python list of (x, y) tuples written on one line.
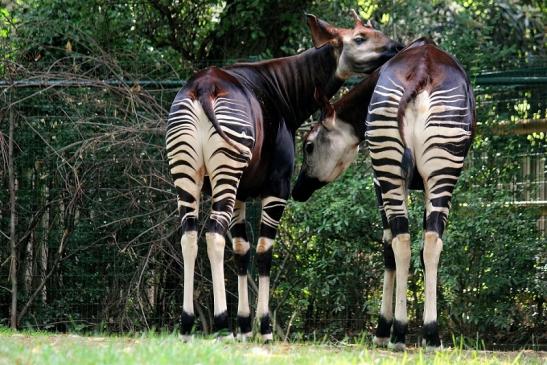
[(42, 348)]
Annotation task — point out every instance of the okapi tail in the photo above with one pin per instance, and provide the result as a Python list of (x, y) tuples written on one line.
[(417, 78), (206, 101)]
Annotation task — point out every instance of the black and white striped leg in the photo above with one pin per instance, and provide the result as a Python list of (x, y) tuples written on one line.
[(242, 256), (225, 167), (385, 319), (187, 170), (391, 193), (441, 168), (401, 252), (272, 210), (387, 152), (436, 214)]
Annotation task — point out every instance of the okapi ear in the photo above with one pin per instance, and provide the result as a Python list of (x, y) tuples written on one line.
[(329, 119), (321, 31), (357, 18), (327, 109)]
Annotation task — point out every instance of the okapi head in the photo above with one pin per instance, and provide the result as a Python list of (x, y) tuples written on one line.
[(360, 49), (329, 148)]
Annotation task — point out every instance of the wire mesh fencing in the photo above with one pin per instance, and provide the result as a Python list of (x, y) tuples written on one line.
[(97, 227)]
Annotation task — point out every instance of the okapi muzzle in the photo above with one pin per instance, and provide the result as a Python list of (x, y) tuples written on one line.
[(389, 52), (305, 186)]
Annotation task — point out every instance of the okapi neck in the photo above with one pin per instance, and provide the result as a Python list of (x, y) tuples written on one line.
[(352, 108), (288, 84)]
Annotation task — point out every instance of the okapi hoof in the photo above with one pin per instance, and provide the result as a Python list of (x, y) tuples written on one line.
[(220, 322), (225, 336), (432, 348), (397, 342), (186, 338), (267, 338), (431, 338), (186, 324), (266, 329), (383, 329), (244, 337), (398, 346), (380, 341), (245, 327)]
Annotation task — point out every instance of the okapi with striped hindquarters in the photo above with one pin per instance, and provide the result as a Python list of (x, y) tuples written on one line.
[(417, 115), (235, 126)]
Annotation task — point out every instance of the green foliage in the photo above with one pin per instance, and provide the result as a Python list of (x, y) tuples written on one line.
[(499, 33), (330, 232), (482, 35)]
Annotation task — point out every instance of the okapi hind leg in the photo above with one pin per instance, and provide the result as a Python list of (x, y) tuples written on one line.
[(441, 178), (188, 170), (397, 215), (431, 253), (272, 210), (225, 167), (242, 255), (435, 217), (385, 319)]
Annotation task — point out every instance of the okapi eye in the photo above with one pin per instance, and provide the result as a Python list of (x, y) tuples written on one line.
[(308, 147), (359, 40)]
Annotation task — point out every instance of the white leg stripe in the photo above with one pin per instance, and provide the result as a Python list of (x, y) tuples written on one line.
[(243, 296), (263, 296), (433, 246), (215, 251), (401, 249), (386, 310), (189, 247)]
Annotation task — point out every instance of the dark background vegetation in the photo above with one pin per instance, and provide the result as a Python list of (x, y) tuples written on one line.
[(95, 246)]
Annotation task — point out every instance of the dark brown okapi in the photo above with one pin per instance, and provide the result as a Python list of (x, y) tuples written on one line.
[(236, 127), (417, 115)]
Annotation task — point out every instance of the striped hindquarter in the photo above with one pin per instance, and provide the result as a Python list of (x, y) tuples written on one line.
[(195, 149), (427, 150), (437, 132)]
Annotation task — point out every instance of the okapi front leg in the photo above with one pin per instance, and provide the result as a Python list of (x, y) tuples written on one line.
[(242, 256), (272, 210)]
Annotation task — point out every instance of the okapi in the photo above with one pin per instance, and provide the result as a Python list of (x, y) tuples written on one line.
[(417, 115), (236, 127)]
